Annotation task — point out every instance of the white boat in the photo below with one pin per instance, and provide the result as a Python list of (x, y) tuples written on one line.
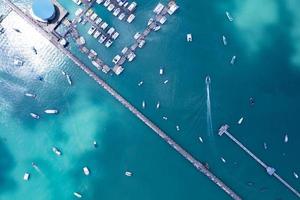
[(165, 118), (97, 34), (78, 2), (56, 151), (99, 1), (116, 59), (150, 21), (69, 79), (104, 25), (98, 20), (93, 16), (156, 28), (201, 140), (241, 120), (141, 43), (161, 71), (110, 7), (172, 7), (89, 12), (286, 138), (35, 116), (166, 81), (121, 16), (230, 18), (128, 173), (102, 39), (78, 195), (131, 56), (26, 176), (86, 171), (27, 94), (140, 83), (91, 30), (116, 11), (95, 144), (296, 175), (189, 37), (108, 43), (163, 20), (143, 104), (51, 111), (137, 35), (132, 6), (110, 30), (233, 60), (223, 160), (115, 35), (158, 8), (177, 128), (157, 105), (207, 79), (130, 18), (78, 11), (265, 146), (224, 40), (106, 3)]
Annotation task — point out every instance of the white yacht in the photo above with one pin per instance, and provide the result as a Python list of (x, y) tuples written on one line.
[(110, 7), (128, 173), (201, 140), (26, 176), (223, 160), (27, 94), (158, 8), (108, 43), (156, 28), (233, 60), (296, 175), (177, 128), (132, 6), (241, 120), (18, 62), (115, 35), (172, 7), (137, 35), (116, 11), (286, 138), (86, 171), (189, 37), (116, 59), (230, 18), (51, 111), (161, 71), (140, 83), (121, 16), (56, 151), (157, 105), (143, 104), (130, 18), (102, 39), (91, 30), (35, 116), (78, 195), (150, 21), (98, 20), (224, 40), (166, 81), (165, 118)]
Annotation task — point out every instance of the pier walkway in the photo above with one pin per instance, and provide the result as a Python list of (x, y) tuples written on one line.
[(270, 170), (199, 166)]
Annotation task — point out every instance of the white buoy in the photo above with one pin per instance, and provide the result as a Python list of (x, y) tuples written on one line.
[(26, 176), (286, 138)]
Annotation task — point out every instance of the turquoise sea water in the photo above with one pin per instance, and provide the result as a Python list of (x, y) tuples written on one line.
[(266, 41)]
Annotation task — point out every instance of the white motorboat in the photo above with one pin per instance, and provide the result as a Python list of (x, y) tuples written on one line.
[(51, 111), (143, 104), (229, 17), (86, 171), (207, 80), (161, 71), (157, 105), (165, 118), (78, 195), (286, 138), (223, 160), (130, 18), (108, 43), (296, 175), (69, 79), (27, 94), (241, 120), (35, 116), (201, 140), (26, 176), (166, 81), (140, 83), (189, 37), (265, 146), (18, 62), (150, 21), (128, 173), (233, 60), (177, 128), (224, 40), (56, 151), (156, 28)]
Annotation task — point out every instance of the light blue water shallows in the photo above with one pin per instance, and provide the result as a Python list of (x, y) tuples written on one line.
[(267, 68)]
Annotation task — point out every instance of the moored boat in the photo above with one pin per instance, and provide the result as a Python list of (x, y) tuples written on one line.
[(51, 111), (56, 151), (35, 116), (86, 171)]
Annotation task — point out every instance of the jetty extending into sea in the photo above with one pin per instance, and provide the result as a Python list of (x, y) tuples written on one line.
[(53, 39), (270, 170)]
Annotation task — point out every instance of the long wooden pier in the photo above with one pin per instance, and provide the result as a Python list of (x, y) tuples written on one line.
[(199, 166), (270, 170)]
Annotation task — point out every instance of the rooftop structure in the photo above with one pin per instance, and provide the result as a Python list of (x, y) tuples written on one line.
[(43, 10)]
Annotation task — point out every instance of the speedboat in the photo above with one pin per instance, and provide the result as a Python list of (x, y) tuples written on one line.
[(201, 140), (165, 118), (157, 105), (27, 94), (224, 40), (143, 104), (230, 18), (233, 60), (286, 138), (177, 128), (108, 43), (241, 120), (69, 79), (189, 37), (150, 21), (35, 116), (223, 160), (51, 111), (265, 146), (156, 28), (128, 173), (140, 83), (296, 175), (166, 81), (116, 11), (78, 195), (86, 171), (161, 71), (26, 176), (56, 151), (207, 80)]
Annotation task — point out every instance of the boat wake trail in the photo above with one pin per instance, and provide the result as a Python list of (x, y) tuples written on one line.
[(208, 111)]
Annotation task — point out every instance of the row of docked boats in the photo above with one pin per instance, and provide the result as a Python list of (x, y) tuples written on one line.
[(120, 8)]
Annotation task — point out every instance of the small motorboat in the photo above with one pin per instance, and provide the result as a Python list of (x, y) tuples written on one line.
[(177, 128), (165, 118), (95, 144), (128, 173), (86, 171), (51, 111), (78, 195), (224, 40), (166, 81), (143, 104), (26, 176), (223, 160), (265, 146), (189, 37), (161, 71), (286, 138), (69, 79), (34, 116), (56, 151), (140, 83), (241, 120), (207, 80), (233, 59), (229, 17), (296, 175), (157, 105), (27, 94), (201, 140)]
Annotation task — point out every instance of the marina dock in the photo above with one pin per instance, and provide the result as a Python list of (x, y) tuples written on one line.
[(199, 166), (270, 170)]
